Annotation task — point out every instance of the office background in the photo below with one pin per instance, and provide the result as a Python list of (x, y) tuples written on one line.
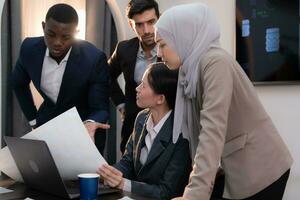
[(23, 18)]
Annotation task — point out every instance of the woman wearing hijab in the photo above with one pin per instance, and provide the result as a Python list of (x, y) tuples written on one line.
[(218, 111), (152, 164)]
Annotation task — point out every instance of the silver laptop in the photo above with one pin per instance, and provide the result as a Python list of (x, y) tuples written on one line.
[(39, 171)]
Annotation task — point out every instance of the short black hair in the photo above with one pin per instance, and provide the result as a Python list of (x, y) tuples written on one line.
[(63, 13), (163, 81), (139, 6)]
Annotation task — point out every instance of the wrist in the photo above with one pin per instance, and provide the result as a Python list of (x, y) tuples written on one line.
[(121, 185), (126, 185), (88, 120), (33, 124)]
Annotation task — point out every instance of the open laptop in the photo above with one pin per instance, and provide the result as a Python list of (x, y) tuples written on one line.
[(39, 171)]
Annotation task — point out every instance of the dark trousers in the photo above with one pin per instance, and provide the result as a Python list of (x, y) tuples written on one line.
[(100, 139), (274, 191), (126, 131)]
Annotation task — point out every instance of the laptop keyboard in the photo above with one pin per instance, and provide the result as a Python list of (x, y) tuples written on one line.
[(71, 184)]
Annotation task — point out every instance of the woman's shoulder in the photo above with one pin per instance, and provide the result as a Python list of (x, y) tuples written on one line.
[(142, 115), (216, 57), (140, 120), (216, 54)]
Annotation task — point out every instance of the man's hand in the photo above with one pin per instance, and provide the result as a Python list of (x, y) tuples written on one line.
[(93, 126), (122, 113), (33, 127), (179, 198), (112, 176)]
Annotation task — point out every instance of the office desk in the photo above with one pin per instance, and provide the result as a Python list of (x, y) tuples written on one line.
[(20, 192)]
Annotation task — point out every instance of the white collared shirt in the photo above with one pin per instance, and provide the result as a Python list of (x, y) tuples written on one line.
[(142, 63), (149, 139), (151, 135), (52, 74)]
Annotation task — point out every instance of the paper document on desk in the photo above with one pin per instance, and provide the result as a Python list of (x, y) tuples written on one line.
[(126, 198), (70, 145)]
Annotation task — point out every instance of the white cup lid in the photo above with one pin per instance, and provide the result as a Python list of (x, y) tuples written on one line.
[(88, 175)]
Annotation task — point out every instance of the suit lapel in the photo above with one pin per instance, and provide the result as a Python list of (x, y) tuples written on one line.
[(141, 143), (38, 64), (71, 71), (160, 142), (131, 56)]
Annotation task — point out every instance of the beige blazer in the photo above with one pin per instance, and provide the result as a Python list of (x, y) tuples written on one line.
[(235, 130)]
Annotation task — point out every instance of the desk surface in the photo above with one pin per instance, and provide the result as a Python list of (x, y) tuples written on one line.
[(20, 191)]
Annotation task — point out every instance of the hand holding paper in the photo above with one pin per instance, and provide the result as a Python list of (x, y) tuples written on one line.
[(93, 126), (69, 142)]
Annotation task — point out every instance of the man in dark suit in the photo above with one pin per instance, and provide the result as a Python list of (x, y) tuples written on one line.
[(65, 71), (131, 57)]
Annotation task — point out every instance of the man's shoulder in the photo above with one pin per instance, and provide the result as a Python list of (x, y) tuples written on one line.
[(133, 42), (32, 41), (32, 47), (86, 45), (88, 48), (127, 46)]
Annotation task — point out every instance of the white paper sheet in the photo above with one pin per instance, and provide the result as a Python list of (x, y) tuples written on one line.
[(4, 190), (69, 142), (8, 165), (126, 198)]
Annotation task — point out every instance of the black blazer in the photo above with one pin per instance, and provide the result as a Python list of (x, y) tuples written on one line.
[(85, 82), (166, 171), (123, 60)]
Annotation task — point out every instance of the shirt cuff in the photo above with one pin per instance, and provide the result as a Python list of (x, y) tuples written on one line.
[(89, 120), (32, 122), (127, 185), (121, 105)]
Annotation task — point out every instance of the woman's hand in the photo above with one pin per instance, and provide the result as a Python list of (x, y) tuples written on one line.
[(112, 176)]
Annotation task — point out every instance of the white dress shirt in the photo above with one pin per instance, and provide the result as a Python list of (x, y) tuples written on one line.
[(149, 139), (142, 63), (52, 74)]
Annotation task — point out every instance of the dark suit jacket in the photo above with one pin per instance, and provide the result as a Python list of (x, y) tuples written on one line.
[(166, 171), (123, 61), (85, 82)]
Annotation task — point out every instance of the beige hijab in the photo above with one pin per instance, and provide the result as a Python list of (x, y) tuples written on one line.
[(190, 30)]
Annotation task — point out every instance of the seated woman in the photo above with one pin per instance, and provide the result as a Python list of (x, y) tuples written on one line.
[(152, 164)]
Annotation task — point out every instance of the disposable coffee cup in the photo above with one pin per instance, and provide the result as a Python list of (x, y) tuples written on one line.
[(88, 186)]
